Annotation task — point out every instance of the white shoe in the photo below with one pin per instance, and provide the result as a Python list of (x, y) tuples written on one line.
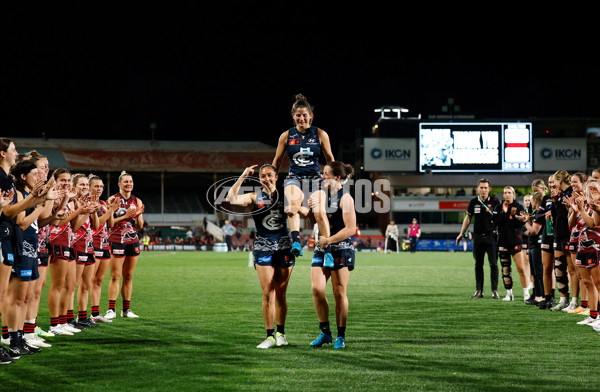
[(560, 306), (594, 323), (586, 321), (110, 314), (509, 297), (526, 294), (267, 343), (129, 314), (100, 319), (35, 341), (68, 328), (572, 306), (280, 339), (6, 341), (57, 330)]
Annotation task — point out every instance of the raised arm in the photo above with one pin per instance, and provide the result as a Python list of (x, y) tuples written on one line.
[(233, 195), (281, 147)]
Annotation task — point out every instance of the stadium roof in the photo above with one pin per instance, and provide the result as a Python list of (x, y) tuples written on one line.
[(150, 155)]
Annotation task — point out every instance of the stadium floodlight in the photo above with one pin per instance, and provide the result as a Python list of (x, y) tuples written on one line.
[(398, 110)]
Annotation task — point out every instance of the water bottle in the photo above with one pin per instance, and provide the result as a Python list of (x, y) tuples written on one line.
[(550, 226)]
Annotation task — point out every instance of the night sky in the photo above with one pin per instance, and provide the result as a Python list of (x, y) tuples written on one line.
[(218, 74)]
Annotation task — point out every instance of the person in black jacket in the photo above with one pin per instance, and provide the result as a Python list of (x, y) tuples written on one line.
[(509, 241), (481, 210)]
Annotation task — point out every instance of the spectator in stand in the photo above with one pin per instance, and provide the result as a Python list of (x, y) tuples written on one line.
[(414, 233), (228, 231)]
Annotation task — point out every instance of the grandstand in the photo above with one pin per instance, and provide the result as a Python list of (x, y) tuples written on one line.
[(172, 178)]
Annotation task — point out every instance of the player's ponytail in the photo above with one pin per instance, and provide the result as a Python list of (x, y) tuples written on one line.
[(342, 170), (301, 102)]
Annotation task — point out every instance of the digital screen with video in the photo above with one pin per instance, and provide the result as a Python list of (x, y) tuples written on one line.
[(475, 147)]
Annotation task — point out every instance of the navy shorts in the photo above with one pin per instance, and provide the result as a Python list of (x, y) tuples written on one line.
[(341, 258), (307, 184), (26, 268), (125, 250), (280, 259)]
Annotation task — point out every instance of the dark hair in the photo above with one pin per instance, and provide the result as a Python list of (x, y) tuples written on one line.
[(582, 177), (301, 102), (267, 165), (36, 155), (61, 170), (23, 167), (341, 169), (486, 181), (537, 196), (4, 143)]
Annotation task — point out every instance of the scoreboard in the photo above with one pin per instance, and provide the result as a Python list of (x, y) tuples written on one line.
[(475, 147)]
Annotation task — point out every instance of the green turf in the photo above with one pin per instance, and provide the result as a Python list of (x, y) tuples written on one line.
[(411, 327)]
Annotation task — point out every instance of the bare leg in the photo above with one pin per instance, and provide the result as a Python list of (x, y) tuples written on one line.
[(319, 277), (127, 274), (265, 277)]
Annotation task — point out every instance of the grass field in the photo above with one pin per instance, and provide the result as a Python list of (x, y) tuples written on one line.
[(411, 327)]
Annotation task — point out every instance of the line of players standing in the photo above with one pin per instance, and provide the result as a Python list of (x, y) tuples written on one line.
[(553, 239), (59, 226)]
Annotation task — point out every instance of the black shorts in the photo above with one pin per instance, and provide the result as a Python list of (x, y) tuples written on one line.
[(26, 268), (573, 246), (43, 257), (587, 259), (84, 258), (561, 244), (125, 250), (61, 252), (101, 254), (280, 258), (505, 253), (341, 258), (547, 244)]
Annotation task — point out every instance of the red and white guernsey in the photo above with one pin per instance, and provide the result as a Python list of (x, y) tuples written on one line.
[(124, 232), (61, 235), (100, 236), (589, 240), (82, 238)]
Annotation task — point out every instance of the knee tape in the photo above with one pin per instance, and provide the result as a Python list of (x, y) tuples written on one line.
[(506, 274), (560, 270)]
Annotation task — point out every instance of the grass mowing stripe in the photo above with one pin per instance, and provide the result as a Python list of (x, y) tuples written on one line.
[(411, 327)]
